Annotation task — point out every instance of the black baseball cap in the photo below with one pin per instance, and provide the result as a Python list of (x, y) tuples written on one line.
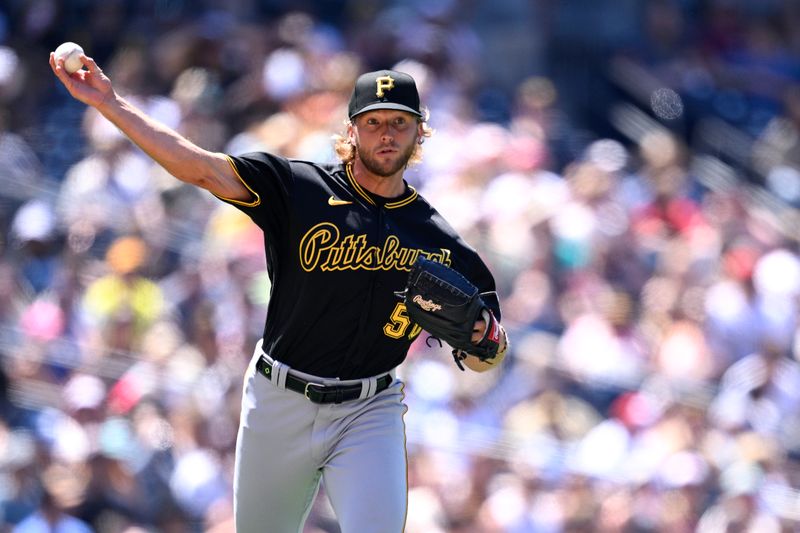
[(384, 89)]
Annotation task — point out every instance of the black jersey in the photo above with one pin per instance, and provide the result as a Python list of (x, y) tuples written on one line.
[(336, 254)]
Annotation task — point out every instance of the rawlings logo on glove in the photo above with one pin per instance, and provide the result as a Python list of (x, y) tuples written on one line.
[(447, 305), (426, 305)]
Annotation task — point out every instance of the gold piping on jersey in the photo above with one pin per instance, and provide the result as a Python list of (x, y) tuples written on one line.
[(356, 185), (322, 247), (254, 203), (389, 205), (405, 201)]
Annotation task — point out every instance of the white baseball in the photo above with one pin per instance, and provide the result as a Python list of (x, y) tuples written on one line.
[(71, 53)]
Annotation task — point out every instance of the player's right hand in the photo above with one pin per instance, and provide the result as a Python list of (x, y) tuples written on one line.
[(92, 86)]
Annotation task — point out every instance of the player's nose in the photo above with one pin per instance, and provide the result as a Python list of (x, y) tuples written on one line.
[(386, 132)]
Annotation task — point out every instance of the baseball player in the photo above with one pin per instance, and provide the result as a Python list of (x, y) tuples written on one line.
[(321, 402)]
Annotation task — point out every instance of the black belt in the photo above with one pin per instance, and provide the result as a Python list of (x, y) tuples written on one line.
[(317, 392)]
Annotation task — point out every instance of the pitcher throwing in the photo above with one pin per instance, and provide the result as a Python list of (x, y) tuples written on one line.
[(321, 402)]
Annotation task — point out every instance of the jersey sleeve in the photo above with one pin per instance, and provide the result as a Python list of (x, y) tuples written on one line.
[(467, 261), (270, 180), (482, 277)]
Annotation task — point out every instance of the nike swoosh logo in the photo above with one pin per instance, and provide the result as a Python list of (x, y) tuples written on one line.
[(334, 201)]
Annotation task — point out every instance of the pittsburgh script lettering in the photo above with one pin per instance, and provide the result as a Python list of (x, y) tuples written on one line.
[(322, 247)]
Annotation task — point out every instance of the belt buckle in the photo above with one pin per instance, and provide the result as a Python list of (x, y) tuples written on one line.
[(307, 392)]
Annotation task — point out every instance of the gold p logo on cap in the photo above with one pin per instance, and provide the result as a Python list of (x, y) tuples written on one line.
[(383, 89), (384, 83)]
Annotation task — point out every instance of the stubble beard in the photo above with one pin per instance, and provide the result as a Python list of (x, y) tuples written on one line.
[(388, 168)]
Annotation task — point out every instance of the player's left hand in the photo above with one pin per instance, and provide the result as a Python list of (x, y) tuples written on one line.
[(476, 364), (477, 330)]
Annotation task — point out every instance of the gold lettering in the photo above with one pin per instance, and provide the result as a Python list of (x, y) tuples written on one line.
[(402, 259), (322, 247), (366, 257), (316, 241), (383, 83), (336, 255), (446, 257), (390, 252), (351, 250)]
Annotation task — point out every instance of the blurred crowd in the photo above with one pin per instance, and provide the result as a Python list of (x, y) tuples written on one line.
[(642, 227)]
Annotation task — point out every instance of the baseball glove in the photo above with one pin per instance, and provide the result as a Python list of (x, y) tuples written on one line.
[(446, 305)]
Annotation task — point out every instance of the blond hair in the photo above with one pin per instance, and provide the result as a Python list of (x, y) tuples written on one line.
[(346, 152)]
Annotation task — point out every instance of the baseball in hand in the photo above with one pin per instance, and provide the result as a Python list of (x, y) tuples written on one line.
[(71, 53)]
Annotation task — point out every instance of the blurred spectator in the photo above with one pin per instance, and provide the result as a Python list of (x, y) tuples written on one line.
[(50, 517), (122, 304)]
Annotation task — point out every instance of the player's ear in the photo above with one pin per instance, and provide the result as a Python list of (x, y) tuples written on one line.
[(351, 133)]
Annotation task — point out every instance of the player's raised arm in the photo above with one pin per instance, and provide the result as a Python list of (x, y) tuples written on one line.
[(179, 156)]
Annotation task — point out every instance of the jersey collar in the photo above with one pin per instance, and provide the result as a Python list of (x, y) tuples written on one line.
[(406, 198)]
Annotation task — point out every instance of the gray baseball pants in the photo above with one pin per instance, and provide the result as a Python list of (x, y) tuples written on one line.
[(286, 444)]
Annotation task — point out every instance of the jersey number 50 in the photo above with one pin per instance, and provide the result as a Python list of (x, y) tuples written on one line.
[(399, 322)]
